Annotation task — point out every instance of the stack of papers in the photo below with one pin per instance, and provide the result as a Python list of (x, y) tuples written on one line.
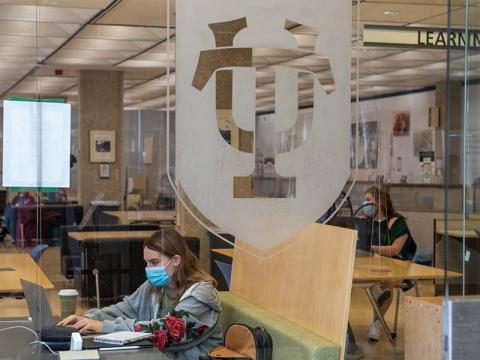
[(121, 337)]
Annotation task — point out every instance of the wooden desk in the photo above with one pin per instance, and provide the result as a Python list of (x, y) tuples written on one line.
[(380, 268), (151, 216), (474, 216), (458, 233), (225, 252), (23, 268), (109, 235)]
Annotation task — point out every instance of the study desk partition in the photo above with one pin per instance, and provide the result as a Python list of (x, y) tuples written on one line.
[(16, 266), (150, 216)]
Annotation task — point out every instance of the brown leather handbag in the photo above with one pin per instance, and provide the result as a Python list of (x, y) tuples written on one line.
[(243, 343)]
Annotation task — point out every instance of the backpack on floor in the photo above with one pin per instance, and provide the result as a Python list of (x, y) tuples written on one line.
[(243, 343)]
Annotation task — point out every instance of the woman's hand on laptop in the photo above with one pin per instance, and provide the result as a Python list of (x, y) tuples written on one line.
[(86, 325), (82, 324), (70, 320)]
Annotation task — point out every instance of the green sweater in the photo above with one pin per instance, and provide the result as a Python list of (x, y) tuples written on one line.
[(201, 300)]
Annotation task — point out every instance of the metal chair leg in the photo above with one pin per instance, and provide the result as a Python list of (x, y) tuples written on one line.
[(97, 286), (397, 304), (417, 291)]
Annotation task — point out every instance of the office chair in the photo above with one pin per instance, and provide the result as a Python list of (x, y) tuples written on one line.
[(37, 251), (226, 270)]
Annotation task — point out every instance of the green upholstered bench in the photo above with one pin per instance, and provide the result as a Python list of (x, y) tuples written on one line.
[(290, 341)]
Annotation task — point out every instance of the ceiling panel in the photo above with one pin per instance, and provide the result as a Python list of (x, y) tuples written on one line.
[(45, 13), (39, 29), (140, 12), (9, 60), (114, 32), (398, 12), (90, 54), (105, 45), (87, 4), (458, 18), (131, 38), (30, 42), (147, 64)]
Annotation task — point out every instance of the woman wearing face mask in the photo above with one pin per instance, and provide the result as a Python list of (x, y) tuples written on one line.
[(175, 282), (390, 237)]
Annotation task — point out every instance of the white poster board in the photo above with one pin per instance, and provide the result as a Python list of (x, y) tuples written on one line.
[(36, 144)]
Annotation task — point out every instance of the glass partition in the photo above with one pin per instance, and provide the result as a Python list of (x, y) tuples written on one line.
[(248, 128), (470, 158), (460, 249)]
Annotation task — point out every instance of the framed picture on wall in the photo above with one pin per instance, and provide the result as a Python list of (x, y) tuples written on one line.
[(367, 145), (102, 146), (401, 123)]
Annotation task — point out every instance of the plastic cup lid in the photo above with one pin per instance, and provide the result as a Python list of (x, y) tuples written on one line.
[(68, 292)]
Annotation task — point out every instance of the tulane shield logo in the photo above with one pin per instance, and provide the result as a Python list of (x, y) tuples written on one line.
[(237, 59)]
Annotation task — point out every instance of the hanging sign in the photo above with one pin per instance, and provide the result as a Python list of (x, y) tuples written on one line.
[(420, 37)]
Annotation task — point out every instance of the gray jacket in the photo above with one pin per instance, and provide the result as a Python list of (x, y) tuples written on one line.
[(201, 300)]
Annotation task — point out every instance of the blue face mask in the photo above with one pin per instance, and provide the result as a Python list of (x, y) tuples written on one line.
[(158, 276), (367, 208)]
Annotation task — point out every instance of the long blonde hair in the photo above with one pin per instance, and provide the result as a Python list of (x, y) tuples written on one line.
[(169, 243)]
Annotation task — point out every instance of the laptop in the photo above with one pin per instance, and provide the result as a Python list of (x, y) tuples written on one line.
[(57, 337)]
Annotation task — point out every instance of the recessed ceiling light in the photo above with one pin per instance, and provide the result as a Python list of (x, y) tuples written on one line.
[(390, 12)]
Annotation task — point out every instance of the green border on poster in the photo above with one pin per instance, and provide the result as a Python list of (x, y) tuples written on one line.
[(34, 189), (52, 100)]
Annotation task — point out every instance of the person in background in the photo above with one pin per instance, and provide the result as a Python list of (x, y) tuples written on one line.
[(57, 197), (391, 237), (9, 225), (175, 283)]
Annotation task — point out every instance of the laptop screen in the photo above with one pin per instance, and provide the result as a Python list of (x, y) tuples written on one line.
[(38, 305)]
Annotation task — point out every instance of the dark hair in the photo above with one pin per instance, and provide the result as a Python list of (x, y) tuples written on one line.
[(169, 243), (382, 198)]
